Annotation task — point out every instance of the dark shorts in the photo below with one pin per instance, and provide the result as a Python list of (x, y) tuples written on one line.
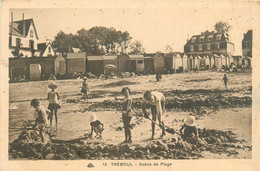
[(53, 106)]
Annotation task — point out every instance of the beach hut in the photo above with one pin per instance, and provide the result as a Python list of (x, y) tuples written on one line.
[(217, 61), (137, 63), (95, 65), (177, 61), (184, 61), (123, 63), (148, 63), (35, 72), (207, 62), (76, 62), (110, 59), (158, 62), (190, 62), (60, 65)]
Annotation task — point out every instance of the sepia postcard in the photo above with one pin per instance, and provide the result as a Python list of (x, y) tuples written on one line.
[(130, 85)]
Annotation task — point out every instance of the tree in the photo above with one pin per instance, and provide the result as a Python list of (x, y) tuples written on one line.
[(16, 52), (222, 27), (168, 49), (136, 47)]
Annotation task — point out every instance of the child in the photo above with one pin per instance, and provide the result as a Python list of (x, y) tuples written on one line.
[(158, 77), (84, 89), (96, 126), (225, 79), (126, 113), (53, 97), (189, 128), (40, 117)]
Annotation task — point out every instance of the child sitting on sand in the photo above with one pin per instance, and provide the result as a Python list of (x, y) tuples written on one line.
[(53, 97), (96, 125), (189, 128), (40, 117)]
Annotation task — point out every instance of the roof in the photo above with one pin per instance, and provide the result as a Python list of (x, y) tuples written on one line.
[(109, 57), (76, 50), (76, 55), (248, 36), (136, 57), (41, 46), (17, 28), (95, 58), (205, 38)]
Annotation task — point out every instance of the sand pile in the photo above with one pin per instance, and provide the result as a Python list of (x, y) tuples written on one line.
[(28, 146)]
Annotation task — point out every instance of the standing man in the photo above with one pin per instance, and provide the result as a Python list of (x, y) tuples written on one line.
[(156, 101)]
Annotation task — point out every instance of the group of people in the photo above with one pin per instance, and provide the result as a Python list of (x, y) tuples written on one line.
[(153, 100)]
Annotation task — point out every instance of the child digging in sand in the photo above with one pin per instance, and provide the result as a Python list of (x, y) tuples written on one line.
[(53, 97), (40, 117), (189, 129), (96, 126)]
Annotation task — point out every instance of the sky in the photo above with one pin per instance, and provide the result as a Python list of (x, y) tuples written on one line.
[(154, 27)]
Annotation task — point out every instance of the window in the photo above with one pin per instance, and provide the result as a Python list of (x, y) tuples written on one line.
[(31, 34), (193, 39), (18, 42), (202, 38), (140, 61), (191, 48), (248, 44), (208, 46), (31, 44), (200, 47), (218, 37), (216, 46), (49, 49), (210, 38)]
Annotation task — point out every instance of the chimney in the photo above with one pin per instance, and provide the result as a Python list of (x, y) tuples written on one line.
[(23, 26), (11, 31)]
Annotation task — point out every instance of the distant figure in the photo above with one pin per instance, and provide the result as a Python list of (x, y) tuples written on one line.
[(189, 129), (158, 77), (40, 117), (225, 79), (85, 89), (53, 97), (156, 101), (96, 126)]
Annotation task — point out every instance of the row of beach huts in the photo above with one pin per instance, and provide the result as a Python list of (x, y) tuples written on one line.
[(36, 67)]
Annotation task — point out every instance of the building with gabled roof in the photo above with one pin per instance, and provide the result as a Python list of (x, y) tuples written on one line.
[(23, 36), (46, 49), (206, 44)]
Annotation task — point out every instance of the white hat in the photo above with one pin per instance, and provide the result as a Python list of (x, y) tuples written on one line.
[(52, 84), (85, 78), (93, 117), (190, 121)]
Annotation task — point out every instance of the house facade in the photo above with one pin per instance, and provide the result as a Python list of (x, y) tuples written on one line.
[(23, 37), (46, 49), (208, 44), (247, 44)]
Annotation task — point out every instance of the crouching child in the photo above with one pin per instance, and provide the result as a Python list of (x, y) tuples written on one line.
[(189, 130), (40, 117), (96, 126)]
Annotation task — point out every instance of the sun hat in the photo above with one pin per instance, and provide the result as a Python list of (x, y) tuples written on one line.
[(52, 85), (93, 117), (190, 121), (85, 78)]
